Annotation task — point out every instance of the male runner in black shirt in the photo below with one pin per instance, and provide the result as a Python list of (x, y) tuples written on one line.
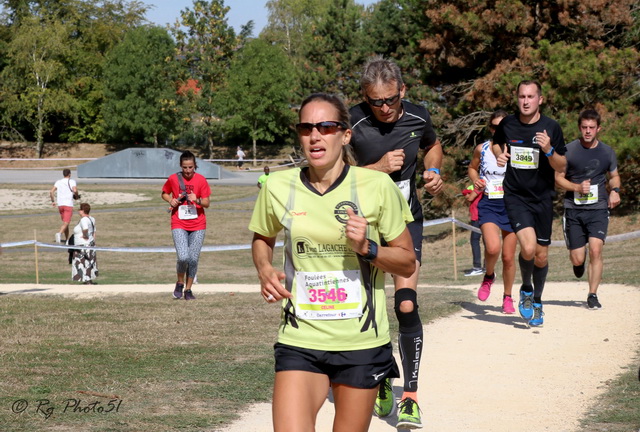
[(388, 134), (532, 147)]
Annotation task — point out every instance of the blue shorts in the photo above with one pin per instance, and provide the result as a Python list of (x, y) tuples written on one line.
[(364, 368), (493, 211)]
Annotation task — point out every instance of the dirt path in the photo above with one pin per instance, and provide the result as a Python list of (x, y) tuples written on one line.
[(483, 371)]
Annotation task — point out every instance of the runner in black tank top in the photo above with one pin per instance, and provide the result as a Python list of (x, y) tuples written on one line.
[(388, 135)]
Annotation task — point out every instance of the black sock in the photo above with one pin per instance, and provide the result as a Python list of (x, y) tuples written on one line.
[(493, 276), (539, 279), (526, 270)]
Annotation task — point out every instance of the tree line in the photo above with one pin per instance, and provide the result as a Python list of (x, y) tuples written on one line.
[(98, 71)]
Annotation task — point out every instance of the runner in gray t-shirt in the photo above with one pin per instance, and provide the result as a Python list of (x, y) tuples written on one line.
[(587, 203)]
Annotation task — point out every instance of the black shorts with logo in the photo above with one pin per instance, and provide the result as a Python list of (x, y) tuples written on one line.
[(578, 225), (526, 212), (415, 229), (359, 368)]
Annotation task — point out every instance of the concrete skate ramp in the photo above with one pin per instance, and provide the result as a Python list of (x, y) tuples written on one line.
[(142, 163)]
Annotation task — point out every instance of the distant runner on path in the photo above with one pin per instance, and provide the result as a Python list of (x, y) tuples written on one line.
[(65, 190), (587, 202)]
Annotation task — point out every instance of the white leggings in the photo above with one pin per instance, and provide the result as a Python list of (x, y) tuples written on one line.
[(188, 245)]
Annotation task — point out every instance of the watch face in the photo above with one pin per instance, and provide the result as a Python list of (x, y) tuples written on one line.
[(373, 251)]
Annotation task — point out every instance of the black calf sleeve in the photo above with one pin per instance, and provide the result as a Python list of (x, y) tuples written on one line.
[(409, 338)]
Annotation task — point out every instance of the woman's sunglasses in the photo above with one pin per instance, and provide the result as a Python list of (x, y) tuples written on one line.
[(325, 127)]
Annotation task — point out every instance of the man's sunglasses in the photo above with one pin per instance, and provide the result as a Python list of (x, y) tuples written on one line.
[(379, 102), (325, 127)]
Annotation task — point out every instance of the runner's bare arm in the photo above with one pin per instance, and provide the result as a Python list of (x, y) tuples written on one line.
[(473, 171), (563, 183), (262, 252), (392, 161), (397, 258), (433, 162), (614, 182), (52, 195)]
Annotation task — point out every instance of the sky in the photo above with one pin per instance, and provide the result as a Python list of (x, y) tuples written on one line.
[(241, 11)]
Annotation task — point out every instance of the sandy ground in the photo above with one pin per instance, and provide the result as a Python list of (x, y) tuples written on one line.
[(37, 200), (483, 371)]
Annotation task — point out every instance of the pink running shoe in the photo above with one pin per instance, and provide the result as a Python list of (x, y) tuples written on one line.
[(507, 305), (485, 288)]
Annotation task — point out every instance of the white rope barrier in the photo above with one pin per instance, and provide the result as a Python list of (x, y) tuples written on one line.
[(128, 249), (452, 220), (258, 169), (555, 243)]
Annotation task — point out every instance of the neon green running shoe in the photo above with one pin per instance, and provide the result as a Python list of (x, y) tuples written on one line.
[(409, 415), (385, 401)]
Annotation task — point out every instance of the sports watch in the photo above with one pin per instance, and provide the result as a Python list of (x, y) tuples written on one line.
[(372, 253)]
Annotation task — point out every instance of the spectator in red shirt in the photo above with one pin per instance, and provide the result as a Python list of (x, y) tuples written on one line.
[(473, 198)]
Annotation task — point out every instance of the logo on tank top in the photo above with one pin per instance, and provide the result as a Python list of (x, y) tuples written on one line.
[(340, 211)]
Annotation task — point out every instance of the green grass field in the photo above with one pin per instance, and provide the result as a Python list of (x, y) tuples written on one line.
[(144, 362)]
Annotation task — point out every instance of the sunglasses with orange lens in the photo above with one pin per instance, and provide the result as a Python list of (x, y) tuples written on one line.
[(325, 127)]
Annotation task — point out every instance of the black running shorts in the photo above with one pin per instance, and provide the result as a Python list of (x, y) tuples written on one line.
[(526, 212), (360, 368), (415, 229), (579, 225)]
